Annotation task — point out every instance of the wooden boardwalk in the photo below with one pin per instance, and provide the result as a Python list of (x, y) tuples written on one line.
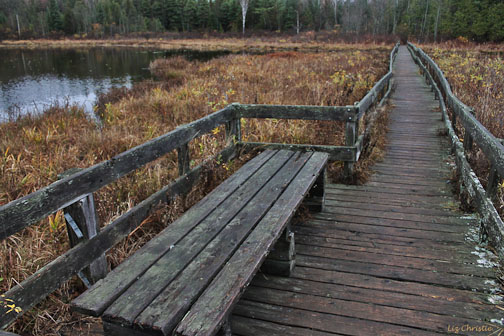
[(391, 257)]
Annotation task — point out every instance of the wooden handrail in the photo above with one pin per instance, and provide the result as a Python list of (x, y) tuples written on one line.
[(491, 221), (491, 146)]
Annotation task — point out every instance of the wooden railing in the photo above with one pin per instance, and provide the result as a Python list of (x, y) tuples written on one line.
[(36, 206), (475, 132)]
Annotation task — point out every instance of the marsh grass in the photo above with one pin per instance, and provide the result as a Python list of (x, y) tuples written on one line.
[(35, 149)]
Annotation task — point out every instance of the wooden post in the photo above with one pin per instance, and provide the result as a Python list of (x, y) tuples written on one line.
[(82, 224), (493, 183), (350, 138), (315, 199), (225, 330), (233, 131), (282, 259), (183, 159), (468, 141), (454, 120)]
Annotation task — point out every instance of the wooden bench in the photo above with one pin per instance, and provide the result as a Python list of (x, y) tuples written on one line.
[(186, 280)]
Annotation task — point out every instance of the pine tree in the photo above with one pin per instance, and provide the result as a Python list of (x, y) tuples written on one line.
[(54, 15)]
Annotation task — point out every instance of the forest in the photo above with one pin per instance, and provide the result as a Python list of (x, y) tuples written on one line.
[(427, 20)]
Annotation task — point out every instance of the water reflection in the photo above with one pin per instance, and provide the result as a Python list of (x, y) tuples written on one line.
[(31, 80)]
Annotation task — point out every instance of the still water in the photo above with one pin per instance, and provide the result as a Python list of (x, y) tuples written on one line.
[(32, 80)]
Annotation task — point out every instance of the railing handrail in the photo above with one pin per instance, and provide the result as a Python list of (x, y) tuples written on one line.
[(491, 222), (489, 144)]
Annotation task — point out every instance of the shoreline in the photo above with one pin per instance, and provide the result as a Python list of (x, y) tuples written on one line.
[(203, 44)]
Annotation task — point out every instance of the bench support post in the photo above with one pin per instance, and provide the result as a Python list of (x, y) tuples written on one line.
[(282, 259), (225, 330), (351, 130), (316, 197), (82, 224)]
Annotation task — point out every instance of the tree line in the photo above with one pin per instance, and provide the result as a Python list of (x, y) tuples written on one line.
[(479, 20)]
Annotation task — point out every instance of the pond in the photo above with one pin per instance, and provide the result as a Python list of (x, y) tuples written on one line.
[(33, 79)]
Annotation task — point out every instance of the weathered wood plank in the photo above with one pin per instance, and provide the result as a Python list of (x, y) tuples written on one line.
[(358, 310), (331, 113), (336, 153), (395, 273), (374, 281), (27, 210), (378, 297), (47, 279), (207, 313), (442, 253), (412, 263), (367, 229), (96, 300), (323, 322), (187, 246), (252, 327), (387, 214), (168, 308)]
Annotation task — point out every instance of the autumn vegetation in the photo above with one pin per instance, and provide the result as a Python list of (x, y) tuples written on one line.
[(35, 149)]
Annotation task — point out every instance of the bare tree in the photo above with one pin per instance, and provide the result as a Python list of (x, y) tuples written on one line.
[(335, 5), (244, 6), (396, 8), (436, 26), (425, 18)]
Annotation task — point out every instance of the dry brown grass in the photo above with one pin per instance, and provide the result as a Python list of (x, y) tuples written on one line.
[(308, 41), (33, 150)]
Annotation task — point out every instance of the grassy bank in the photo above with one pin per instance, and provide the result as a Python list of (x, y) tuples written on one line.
[(33, 150), (308, 41), (476, 75)]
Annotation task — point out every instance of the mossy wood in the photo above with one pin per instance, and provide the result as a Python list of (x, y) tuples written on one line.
[(330, 113), (231, 229), (336, 153)]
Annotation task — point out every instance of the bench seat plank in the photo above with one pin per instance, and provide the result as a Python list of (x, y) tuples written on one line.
[(148, 286), (96, 299), (166, 311), (209, 311)]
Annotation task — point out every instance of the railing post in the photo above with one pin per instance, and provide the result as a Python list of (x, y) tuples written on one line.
[(468, 141), (350, 139), (82, 224), (183, 159), (233, 131), (493, 183)]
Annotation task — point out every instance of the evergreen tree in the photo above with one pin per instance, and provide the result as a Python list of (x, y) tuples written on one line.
[(54, 16)]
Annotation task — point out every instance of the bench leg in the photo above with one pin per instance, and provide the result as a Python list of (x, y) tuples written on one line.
[(281, 260), (225, 330), (315, 199), (112, 329)]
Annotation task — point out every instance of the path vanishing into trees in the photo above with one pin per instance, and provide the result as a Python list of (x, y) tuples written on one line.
[(394, 256)]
